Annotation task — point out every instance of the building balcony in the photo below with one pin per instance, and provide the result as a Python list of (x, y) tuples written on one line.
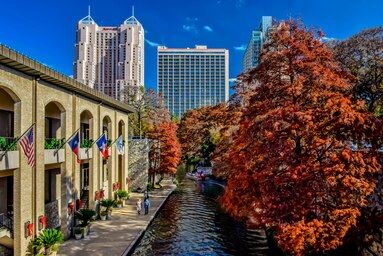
[(85, 153), (9, 160), (54, 152), (54, 156)]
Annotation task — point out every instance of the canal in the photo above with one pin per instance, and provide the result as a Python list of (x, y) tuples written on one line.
[(192, 223)]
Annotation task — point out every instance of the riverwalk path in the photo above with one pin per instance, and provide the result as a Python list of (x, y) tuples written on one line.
[(119, 235)]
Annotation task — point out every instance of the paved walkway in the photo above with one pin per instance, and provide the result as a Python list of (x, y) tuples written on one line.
[(118, 235)]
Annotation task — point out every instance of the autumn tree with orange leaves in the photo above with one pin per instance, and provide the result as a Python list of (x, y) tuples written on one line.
[(199, 132), (165, 149), (292, 165)]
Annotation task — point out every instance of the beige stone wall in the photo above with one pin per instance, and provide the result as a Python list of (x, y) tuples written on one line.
[(29, 194)]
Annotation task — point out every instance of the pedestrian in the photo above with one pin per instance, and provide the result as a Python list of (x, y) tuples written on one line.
[(146, 195), (139, 206), (146, 205)]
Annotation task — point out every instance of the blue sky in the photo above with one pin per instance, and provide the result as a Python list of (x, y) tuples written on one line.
[(45, 30)]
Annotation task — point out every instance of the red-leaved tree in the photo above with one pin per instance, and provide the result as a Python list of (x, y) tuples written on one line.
[(293, 167)]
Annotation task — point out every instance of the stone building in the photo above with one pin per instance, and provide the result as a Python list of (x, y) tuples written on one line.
[(31, 93), (138, 163)]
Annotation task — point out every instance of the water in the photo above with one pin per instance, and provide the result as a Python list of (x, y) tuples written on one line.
[(192, 223)]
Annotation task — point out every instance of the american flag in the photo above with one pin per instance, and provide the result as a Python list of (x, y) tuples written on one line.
[(27, 144)]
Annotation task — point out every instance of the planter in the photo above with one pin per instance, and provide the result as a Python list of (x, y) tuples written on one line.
[(10, 160), (78, 236), (53, 156), (85, 153), (120, 205), (103, 217), (109, 215), (50, 252)]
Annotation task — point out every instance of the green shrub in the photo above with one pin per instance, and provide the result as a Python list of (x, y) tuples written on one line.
[(3, 143), (85, 216), (6, 145), (86, 143), (150, 187), (108, 204), (122, 194), (78, 230), (49, 240), (53, 143)]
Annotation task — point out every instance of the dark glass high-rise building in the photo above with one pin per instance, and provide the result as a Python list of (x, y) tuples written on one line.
[(190, 78)]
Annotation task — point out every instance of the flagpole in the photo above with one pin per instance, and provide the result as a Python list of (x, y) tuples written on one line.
[(65, 141), (13, 143), (94, 143), (114, 141)]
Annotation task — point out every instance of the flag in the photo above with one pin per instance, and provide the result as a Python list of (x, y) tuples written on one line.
[(74, 144), (102, 144), (28, 147), (120, 145)]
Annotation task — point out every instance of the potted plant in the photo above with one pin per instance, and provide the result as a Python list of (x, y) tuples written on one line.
[(103, 215), (48, 242), (85, 216), (121, 196), (78, 232), (108, 205)]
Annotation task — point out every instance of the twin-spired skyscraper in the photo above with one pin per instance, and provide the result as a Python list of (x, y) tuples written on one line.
[(111, 59)]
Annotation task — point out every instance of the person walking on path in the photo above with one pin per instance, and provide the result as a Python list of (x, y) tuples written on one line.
[(146, 205), (139, 206)]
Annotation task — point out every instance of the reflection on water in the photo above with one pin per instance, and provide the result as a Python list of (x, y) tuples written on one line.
[(192, 223)]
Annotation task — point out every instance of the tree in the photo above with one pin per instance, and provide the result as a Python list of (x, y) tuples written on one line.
[(292, 165), (199, 132), (170, 148), (165, 152), (149, 109), (362, 55)]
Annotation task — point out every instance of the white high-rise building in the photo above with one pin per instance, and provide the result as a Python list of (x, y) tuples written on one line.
[(111, 59), (192, 77)]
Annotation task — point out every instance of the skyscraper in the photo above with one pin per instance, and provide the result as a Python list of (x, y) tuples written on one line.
[(192, 78), (110, 59), (254, 48)]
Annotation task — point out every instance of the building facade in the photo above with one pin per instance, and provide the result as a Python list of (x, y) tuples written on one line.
[(192, 78), (110, 59), (254, 47), (32, 94)]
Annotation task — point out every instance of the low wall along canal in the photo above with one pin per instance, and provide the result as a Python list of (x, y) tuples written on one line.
[(192, 223)]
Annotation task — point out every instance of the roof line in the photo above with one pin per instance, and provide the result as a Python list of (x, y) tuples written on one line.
[(26, 65)]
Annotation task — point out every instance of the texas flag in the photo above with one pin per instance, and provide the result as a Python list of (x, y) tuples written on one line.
[(102, 144), (74, 143)]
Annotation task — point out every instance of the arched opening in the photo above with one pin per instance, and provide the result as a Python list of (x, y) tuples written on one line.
[(121, 162), (86, 135), (54, 118), (106, 125), (9, 105), (54, 141), (107, 129)]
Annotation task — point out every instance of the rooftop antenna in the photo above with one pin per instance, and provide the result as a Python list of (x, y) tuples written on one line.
[(88, 10), (133, 10)]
